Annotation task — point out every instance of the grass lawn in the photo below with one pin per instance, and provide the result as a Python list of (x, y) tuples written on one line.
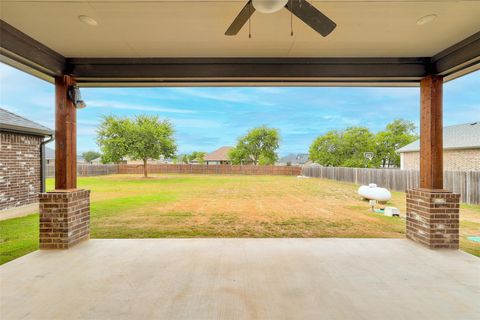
[(128, 206)]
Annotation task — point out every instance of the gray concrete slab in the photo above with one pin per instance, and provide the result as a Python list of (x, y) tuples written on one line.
[(242, 279)]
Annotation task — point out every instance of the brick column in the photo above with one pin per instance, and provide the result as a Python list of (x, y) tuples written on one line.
[(433, 218), (64, 218)]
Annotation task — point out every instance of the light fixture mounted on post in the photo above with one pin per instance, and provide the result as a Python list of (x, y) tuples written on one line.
[(76, 98)]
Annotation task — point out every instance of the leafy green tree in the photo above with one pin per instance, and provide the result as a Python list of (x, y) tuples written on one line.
[(259, 146), (355, 142), (239, 156), (397, 134), (347, 148), (143, 138), (112, 138), (198, 156), (326, 149), (89, 156), (342, 148)]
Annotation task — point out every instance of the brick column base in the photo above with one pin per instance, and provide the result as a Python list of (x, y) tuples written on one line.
[(433, 218), (64, 218)]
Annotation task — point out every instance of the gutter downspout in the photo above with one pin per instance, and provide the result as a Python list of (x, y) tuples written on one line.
[(42, 163)]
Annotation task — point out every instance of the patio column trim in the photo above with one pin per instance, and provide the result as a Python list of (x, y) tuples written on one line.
[(65, 136), (431, 133)]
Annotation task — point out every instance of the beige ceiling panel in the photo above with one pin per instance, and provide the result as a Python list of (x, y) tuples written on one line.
[(57, 26), (196, 28), (389, 29)]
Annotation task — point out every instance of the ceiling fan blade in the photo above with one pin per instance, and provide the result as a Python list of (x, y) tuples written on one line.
[(241, 19), (311, 16)]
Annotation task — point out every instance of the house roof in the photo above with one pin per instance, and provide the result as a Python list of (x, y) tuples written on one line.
[(460, 136), (10, 121), (300, 158), (50, 155), (221, 154)]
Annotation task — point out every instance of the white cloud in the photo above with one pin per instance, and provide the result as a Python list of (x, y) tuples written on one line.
[(227, 95), (127, 106)]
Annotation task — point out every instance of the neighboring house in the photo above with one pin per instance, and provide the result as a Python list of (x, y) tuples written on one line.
[(96, 161), (461, 149), (179, 159), (162, 160), (20, 159), (292, 159), (50, 157), (219, 156)]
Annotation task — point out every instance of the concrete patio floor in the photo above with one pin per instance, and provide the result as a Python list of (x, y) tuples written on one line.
[(242, 279)]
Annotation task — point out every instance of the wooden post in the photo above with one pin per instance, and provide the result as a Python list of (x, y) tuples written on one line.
[(432, 213), (65, 212), (65, 136), (431, 133)]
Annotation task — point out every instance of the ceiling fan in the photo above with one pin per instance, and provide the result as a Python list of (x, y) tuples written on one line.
[(300, 8)]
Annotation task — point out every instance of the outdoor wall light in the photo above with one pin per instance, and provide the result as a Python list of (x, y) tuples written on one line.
[(75, 96), (269, 6)]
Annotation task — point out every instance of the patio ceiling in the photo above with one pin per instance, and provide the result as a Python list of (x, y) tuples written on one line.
[(183, 42)]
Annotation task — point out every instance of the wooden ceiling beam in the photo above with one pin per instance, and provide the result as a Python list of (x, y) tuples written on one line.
[(23, 52)]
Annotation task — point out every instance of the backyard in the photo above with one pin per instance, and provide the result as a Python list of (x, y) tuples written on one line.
[(129, 206)]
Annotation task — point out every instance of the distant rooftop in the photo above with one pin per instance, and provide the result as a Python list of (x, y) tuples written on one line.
[(293, 158), (50, 155), (460, 136), (221, 154), (12, 122)]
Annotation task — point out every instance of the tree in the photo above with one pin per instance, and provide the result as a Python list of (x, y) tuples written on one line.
[(355, 142), (112, 138), (238, 155), (89, 156), (396, 135), (326, 149), (342, 148), (259, 146), (196, 156), (145, 137), (346, 148)]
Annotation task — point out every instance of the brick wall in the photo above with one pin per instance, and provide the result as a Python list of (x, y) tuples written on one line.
[(433, 218), (19, 169), (64, 218), (212, 169), (453, 160)]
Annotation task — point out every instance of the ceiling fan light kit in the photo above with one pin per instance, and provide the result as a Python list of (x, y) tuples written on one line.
[(269, 6), (302, 9)]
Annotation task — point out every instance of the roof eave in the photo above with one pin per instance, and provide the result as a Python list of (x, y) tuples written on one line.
[(445, 148), (24, 130)]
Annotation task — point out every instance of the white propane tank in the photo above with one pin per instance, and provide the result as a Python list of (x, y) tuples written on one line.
[(372, 192)]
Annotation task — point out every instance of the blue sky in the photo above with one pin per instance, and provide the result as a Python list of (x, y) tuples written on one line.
[(207, 118)]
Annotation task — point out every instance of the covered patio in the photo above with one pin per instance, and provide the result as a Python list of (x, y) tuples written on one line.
[(118, 43), (242, 279)]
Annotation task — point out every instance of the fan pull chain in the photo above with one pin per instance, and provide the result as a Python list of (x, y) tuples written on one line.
[(249, 23), (291, 19)]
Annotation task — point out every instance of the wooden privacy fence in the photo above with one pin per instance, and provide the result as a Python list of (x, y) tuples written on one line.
[(212, 169), (466, 183), (85, 170)]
